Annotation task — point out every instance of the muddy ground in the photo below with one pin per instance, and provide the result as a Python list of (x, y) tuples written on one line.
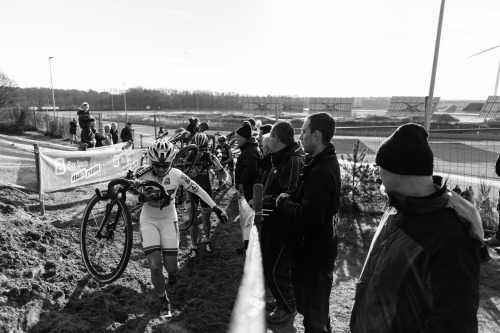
[(44, 286)]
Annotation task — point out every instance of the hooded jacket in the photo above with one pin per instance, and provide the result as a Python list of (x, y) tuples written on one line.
[(247, 167), (422, 270)]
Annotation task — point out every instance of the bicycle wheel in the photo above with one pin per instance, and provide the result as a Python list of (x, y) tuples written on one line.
[(212, 146), (185, 159), (188, 207), (106, 238)]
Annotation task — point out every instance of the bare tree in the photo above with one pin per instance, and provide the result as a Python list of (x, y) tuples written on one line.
[(8, 90)]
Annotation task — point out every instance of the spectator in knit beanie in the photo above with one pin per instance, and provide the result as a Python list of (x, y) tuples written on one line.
[(422, 270), (247, 165)]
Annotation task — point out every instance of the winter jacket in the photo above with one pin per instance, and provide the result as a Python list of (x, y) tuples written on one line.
[(114, 135), (286, 168), (247, 167), (84, 118), (287, 165), (422, 270), (126, 134), (72, 127), (312, 211)]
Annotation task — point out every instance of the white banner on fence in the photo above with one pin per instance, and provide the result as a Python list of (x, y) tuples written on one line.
[(67, 169)]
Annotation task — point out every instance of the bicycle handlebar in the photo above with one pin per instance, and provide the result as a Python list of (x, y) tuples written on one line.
[(113, 194)]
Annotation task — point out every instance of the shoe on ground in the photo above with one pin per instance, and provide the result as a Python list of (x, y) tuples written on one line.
[(209, 247), (165, 310), (278, 316), (194, 253), (270, 306), (492, 241)]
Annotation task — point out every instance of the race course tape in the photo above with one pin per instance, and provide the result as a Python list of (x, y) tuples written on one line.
[(248, 311)]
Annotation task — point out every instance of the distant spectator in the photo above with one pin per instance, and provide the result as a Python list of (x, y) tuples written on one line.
[(100, 138), (193, 126), (252, 123), (466, 194), (72, 131), (265, 162), (457, 189), (108, 137), (264, 129), (162, 132), (471, 194), (84, 117), (126, 133), (114, 133), (84, 120)]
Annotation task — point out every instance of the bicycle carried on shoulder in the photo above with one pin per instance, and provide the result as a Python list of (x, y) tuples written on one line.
[(106, 229)]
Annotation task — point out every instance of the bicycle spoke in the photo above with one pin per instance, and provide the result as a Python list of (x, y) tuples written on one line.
[(105, 239)]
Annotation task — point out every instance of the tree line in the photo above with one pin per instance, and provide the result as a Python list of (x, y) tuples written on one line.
[(138, 98)]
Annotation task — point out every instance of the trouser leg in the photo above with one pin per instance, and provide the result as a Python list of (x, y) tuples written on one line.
[(277, 272), (312, 285)]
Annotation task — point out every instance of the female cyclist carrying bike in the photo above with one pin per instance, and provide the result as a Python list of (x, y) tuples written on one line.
[(200, 173), (158, 219)]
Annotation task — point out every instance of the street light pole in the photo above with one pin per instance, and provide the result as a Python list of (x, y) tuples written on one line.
[(52, 86), (430, 101)]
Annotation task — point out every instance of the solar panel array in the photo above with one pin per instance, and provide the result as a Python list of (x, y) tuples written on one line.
[(292, 105), (337, 106), (262, 105), (410, 106), (491, 109)]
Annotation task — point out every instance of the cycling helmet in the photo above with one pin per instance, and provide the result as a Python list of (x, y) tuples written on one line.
[(222, 139), (161, 152), (200, 140)]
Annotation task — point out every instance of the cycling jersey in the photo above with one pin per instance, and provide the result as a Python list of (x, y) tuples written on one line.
[(200, 174), (225, 150), (170, 182)]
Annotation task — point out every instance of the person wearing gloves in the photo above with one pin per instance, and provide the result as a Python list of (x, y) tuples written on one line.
[(158, 219)]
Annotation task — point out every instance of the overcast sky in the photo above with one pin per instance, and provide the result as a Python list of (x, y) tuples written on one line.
[(322, 48)]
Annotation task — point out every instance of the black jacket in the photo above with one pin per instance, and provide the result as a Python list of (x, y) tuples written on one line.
[(126, 134), (312, 211), (247, 167), (422, 270), (114, 135), (286, 168), (287, 165)]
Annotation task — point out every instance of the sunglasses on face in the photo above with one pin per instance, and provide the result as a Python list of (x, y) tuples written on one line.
[(161, 166)]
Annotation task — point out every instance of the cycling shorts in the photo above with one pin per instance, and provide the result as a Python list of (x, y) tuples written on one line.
[(158, 235), (198, 200)]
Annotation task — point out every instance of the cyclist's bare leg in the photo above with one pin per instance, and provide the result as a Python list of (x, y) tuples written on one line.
[(156, 268), (205, 218), (170, 264)]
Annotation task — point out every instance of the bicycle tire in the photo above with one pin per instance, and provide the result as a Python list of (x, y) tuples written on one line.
[(185, 159), (191, 211), (106, 257), (212, 146)]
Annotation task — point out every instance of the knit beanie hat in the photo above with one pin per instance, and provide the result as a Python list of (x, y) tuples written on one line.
[(245, 130), (406, 152)]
